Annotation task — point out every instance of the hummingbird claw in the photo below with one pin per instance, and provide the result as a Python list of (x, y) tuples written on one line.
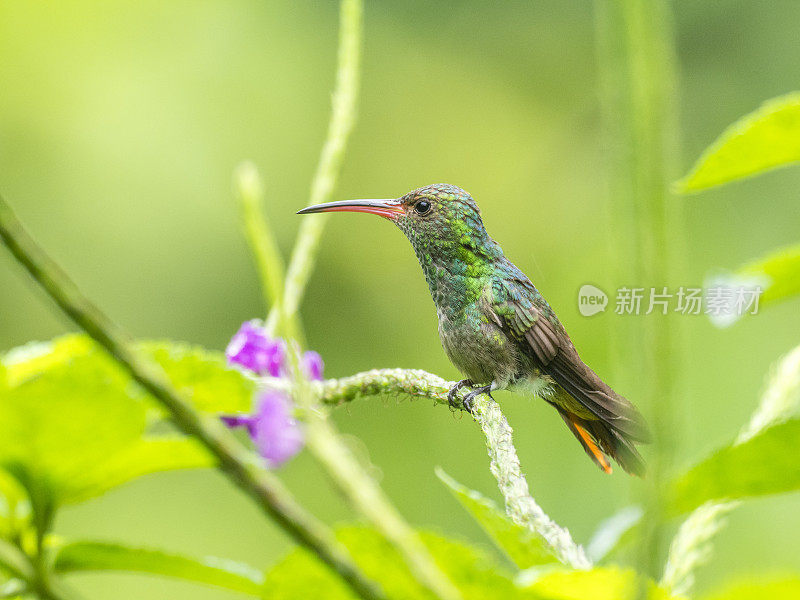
[(451, 395), (468, 400)]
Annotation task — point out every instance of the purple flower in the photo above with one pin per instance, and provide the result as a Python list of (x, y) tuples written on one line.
[(273, 428), (276, 433), (313, 365), (254, 350)]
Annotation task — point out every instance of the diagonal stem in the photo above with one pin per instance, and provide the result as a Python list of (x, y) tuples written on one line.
[(367, 496), (263, 487)]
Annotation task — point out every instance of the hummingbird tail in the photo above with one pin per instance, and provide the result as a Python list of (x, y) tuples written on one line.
[(600, 440), (586, 440), (592, 409)]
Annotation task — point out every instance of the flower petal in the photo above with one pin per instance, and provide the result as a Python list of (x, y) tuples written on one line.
[(254, 350), (313, 366), (276, 434), (234, 421)]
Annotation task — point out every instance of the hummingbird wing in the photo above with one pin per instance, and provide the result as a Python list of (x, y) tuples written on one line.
[(520, 308), (611, 420)]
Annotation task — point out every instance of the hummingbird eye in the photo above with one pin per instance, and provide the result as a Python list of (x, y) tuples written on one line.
[(422, 207)]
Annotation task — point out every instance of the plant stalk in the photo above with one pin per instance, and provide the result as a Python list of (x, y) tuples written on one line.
[(343, 116), (262, 242), (26, 569), (636, 50)]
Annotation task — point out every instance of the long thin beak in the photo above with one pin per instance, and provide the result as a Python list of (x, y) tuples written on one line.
[(389, 209)]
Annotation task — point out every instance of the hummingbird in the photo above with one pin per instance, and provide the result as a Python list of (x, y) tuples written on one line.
[(496, 327)]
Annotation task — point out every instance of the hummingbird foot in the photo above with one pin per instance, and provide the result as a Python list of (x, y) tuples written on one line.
[(451, 395), (484, 389)]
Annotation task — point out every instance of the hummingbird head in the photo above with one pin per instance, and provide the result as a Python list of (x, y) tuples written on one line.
[(440, 220)]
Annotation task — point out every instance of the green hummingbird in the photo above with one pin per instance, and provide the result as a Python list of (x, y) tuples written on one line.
[(496, 327)]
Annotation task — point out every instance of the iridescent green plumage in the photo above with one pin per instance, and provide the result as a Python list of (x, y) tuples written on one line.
[(496, 327)]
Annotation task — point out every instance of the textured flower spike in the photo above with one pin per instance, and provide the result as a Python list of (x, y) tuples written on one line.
[(254, 350)]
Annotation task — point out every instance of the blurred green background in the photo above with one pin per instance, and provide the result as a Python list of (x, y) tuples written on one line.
[(120, 126)]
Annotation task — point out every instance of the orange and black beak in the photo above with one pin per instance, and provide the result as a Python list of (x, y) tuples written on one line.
[(389, 209)]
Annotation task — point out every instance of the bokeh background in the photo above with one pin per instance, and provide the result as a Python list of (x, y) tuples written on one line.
[(121, 124)]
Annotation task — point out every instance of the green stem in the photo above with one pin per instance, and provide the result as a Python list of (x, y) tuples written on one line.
[(234, 459), (366, 495), (262, 242), (30, 571), (16, 562), (504, 462), (343, 117), (637, 56)]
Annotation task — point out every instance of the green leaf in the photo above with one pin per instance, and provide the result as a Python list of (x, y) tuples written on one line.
[(203, 377), (522, 546), (59, 424), (148, 455), (777, 275), (24, 362), (301, 575), (765, 139), (605, 583), (780, 271), (786, 589), (613, 532), (74, 421), (768, 463), (98, 556)]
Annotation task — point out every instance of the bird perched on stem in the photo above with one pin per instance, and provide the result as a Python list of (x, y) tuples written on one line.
[(496, 327)]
